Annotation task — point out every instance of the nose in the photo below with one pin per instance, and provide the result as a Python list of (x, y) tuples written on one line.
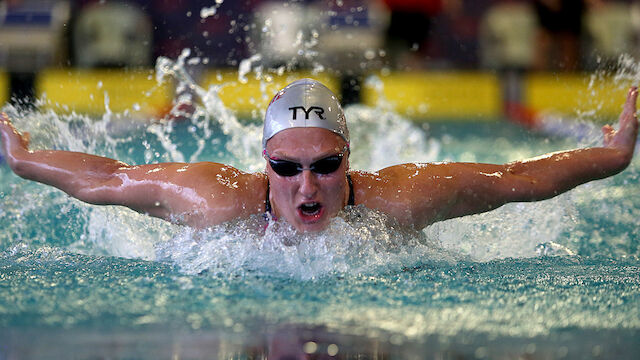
[(308, 184)]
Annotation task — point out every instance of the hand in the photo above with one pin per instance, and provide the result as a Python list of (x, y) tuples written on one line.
[(625, 138), (12, 141)]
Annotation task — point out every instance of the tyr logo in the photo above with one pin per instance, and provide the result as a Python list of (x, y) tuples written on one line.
[(318, 110)]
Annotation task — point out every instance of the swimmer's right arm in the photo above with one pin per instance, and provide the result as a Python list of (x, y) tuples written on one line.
[(200, 194), (66, 170)]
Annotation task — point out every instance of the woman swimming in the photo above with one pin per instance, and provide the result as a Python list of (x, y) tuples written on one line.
[(307, 178)]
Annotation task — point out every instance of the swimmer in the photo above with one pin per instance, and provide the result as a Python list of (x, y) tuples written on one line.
[(308, 181)]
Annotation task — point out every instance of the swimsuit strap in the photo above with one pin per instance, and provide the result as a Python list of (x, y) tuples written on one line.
[(351, 201), (267, 206)]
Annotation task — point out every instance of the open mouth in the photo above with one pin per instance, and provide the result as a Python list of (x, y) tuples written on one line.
[(310, 209), (310, 212)]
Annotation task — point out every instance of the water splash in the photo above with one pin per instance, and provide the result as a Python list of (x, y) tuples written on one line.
[(210, 114), (517, 230), (359, 241), (382, 138)]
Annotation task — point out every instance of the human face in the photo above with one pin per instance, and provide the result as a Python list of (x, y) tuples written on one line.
[(307, 200)]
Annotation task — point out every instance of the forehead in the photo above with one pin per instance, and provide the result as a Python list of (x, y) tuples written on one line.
[(307, 140)]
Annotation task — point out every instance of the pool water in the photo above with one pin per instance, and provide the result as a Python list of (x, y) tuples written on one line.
[(554, 279)]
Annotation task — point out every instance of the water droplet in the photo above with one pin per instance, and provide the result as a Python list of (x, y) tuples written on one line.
[(369, 54), (332, 350), (310, 347), (206, 12)]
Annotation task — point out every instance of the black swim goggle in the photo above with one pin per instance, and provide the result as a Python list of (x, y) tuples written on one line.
[(323, 166)]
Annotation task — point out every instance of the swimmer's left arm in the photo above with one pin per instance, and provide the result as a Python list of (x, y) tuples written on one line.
[(420, 194), (483, 187), (436, 192)]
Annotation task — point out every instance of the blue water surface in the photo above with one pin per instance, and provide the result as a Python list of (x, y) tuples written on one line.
[(555, 279)]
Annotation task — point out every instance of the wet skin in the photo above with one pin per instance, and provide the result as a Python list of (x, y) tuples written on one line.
[(205, 194), (325, 195)]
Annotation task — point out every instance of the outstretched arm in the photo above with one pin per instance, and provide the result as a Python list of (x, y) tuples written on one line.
[(423, 194), (546, 176), (200, 194), (71, 172)]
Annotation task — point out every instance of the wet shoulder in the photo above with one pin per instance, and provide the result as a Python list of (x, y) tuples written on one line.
[(392, 176), (400, 190), (367, 186), (227, 186)]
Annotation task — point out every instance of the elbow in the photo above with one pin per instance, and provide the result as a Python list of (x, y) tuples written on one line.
[(537, 191), (527, 188), (96, 193)]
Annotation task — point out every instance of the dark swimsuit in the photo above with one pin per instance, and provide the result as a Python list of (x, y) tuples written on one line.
[(351, 200)]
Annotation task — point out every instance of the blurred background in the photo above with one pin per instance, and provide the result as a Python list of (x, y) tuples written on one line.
[(426, 59)]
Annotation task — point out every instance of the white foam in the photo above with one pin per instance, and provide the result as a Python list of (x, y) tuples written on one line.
[(358, 242)]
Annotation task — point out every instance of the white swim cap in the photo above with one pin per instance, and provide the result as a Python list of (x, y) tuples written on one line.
[(304, 103)]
